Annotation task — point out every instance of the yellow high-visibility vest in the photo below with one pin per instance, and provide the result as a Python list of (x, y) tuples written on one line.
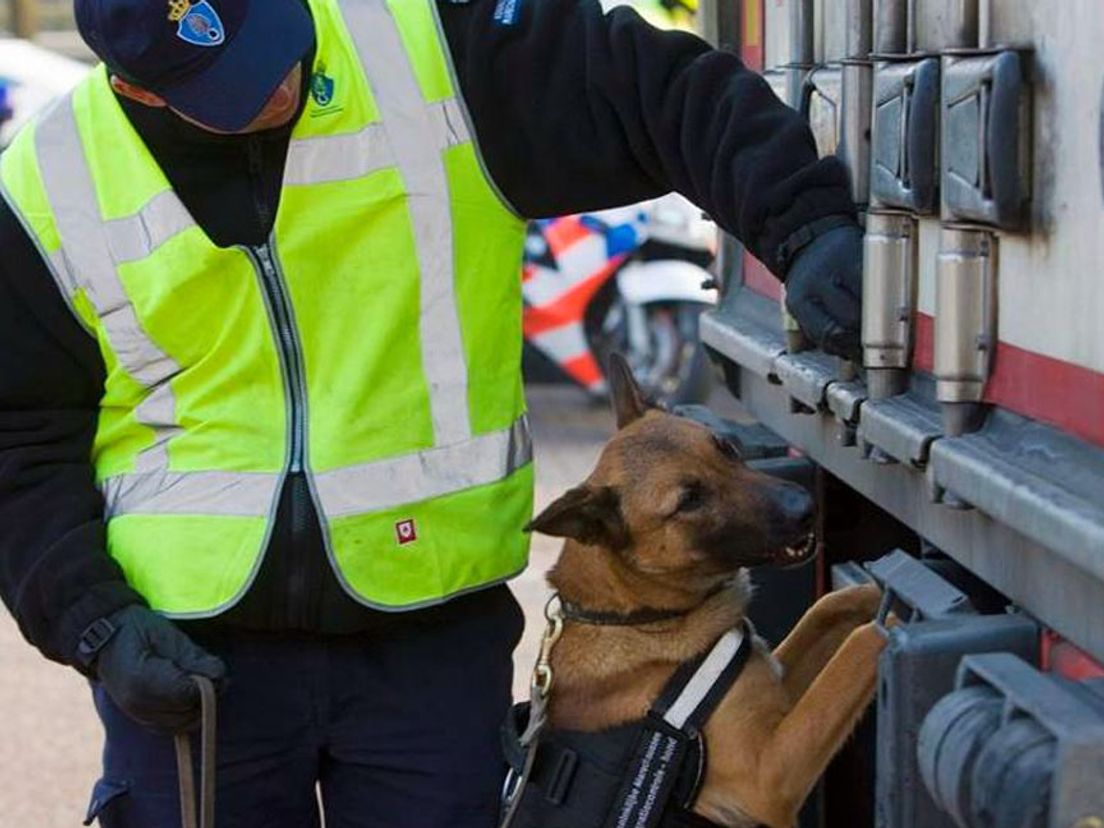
[(373, 343)]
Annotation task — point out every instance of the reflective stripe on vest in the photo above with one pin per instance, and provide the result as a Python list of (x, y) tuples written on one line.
[(84, 239), (348, 491), (95, 264), (417, 134)]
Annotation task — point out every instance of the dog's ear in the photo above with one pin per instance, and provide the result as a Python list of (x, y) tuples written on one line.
[(628, 400), (589, 514)]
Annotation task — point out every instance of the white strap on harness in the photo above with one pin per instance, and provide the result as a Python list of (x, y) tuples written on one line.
[(707, 675)]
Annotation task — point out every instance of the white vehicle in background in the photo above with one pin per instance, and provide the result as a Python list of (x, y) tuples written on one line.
[(632, 280), (30, 78)]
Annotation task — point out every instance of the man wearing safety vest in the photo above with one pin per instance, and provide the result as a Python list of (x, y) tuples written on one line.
[(261, 415)]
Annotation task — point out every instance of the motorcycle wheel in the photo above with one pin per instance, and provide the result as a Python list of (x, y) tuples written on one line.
[(667, 358)]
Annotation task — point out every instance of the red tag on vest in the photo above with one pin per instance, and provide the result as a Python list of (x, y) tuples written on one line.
[(405, 531)]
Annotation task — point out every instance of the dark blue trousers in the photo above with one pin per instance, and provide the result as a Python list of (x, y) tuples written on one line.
[(396, 730)]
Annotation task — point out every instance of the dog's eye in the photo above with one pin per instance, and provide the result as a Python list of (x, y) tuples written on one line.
[(692, 497), (727, 448)]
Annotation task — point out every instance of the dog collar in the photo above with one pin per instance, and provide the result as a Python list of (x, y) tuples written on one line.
[(644, 615)]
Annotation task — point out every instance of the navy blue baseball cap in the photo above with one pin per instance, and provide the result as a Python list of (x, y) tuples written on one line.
[(217, 61)]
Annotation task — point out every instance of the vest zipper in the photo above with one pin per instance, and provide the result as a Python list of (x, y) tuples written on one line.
[(290, 352), (301, 587)]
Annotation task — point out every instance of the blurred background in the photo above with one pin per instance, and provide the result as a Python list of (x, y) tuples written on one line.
[(971, 442), (41, 56), (47, 22)]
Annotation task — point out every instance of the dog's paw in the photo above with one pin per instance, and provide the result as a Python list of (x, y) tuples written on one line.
[(860, 602), (870, 599), (868, 636)]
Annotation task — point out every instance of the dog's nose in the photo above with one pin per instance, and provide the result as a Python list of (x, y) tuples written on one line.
[(796, 505)]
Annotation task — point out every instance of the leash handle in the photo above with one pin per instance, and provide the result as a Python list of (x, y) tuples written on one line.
[(205, 817)]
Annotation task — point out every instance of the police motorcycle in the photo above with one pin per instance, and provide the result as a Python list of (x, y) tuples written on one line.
[(640, 295), (631, 279)]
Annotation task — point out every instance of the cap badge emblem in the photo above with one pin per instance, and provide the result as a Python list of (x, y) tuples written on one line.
[(197, 23)]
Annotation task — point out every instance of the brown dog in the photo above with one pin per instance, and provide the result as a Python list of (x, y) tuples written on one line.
[(668, 520)]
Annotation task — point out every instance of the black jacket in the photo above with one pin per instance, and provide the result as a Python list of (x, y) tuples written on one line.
[(573, 109)]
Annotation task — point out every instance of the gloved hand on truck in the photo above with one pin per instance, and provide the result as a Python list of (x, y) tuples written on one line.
[(824, 285)]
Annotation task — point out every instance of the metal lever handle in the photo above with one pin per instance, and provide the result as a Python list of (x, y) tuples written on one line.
[(208, 729)]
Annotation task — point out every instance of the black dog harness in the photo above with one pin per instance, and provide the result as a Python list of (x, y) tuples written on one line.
[(644, 774)]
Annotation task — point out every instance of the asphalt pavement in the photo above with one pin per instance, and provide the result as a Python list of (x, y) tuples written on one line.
[(50, 739)]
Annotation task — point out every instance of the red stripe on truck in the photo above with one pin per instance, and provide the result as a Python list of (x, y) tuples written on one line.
[(923, 352), (759, 280), (1040, 387)]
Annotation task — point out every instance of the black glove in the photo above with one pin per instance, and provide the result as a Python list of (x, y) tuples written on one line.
[(824, 290), (146, 667)]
